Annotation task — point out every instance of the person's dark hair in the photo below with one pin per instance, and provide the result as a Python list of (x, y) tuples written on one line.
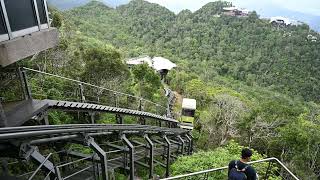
[(245, 153)]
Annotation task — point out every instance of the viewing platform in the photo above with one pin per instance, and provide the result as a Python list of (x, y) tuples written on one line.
[(24, 30)]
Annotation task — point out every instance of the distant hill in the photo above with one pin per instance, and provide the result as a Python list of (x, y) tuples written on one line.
[(271, 10), (69, 4), (268, 10)]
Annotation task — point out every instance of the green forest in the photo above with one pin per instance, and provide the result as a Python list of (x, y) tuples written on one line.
[(256, 85)]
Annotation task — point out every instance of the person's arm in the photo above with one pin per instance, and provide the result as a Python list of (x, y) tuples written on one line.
[(231, 165), (252, 174)]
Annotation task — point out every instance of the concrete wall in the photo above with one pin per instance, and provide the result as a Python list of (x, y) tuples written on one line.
[(19, 48)]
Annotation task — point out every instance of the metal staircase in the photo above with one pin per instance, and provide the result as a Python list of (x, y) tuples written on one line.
[(46, 151)]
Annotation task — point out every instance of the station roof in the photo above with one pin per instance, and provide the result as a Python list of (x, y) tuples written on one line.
[(160, 63), (157, 63), (189, 104), (140, 60)]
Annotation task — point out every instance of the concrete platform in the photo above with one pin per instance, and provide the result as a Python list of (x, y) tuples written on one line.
[(19, 48)]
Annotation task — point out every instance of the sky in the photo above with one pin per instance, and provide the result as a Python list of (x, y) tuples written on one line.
[(303, 6)]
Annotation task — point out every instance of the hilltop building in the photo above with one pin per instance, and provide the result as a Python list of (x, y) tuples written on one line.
[(278, 20), (312, 38), (283, 21), (159, 64), (140, 60), (235, 11)]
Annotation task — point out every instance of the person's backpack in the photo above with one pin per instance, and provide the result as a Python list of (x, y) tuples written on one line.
[(237, 174)]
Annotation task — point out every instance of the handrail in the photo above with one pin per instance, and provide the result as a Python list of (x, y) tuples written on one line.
[(91, 85), (226, 167)]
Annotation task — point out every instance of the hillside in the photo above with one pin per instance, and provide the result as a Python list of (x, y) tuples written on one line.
[(246, 49)]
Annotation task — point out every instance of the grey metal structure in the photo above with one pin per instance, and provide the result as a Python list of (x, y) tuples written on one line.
[(114, 147), (25, 143)]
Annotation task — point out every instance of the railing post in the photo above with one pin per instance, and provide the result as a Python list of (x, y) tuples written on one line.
[(57, 172), (115, 97), (267, 172), (151, 149), (26, 87), (131, 151), (103, 156), (3, 118), (82, 97), (140, 104), (168, 155)]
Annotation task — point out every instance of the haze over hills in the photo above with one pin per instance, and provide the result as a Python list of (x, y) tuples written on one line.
[(69, 4), (266, 10)]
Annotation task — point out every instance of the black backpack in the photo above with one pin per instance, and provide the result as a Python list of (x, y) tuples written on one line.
[(237, 174)]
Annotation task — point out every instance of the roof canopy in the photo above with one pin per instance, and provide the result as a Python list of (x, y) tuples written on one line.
[(160, 63), (140, 60), (230, 8), (157, 63), (189, 104)]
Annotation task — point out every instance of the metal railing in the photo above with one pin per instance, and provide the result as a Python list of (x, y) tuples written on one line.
[(77, 90), (37, 170), (206, 173)]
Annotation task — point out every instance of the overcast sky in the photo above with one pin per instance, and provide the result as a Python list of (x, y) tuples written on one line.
[(304, 6)]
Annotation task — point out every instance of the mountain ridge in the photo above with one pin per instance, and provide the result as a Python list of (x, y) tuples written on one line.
[(266, 12)]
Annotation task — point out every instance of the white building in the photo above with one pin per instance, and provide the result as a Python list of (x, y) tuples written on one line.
[(160, 64), (282, 21), (235, 11), (140, 60)]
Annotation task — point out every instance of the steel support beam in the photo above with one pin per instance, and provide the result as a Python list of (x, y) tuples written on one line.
[(182, 144), (119, 119), (168, 144), (131, 154), (102, 154), (28, 151), (46, 119), (151, 153), (189, 144), (92, 115), (142, 120)]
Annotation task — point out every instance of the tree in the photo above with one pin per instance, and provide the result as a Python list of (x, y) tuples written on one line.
[(222, 118), (147, 82), (103, 65)]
